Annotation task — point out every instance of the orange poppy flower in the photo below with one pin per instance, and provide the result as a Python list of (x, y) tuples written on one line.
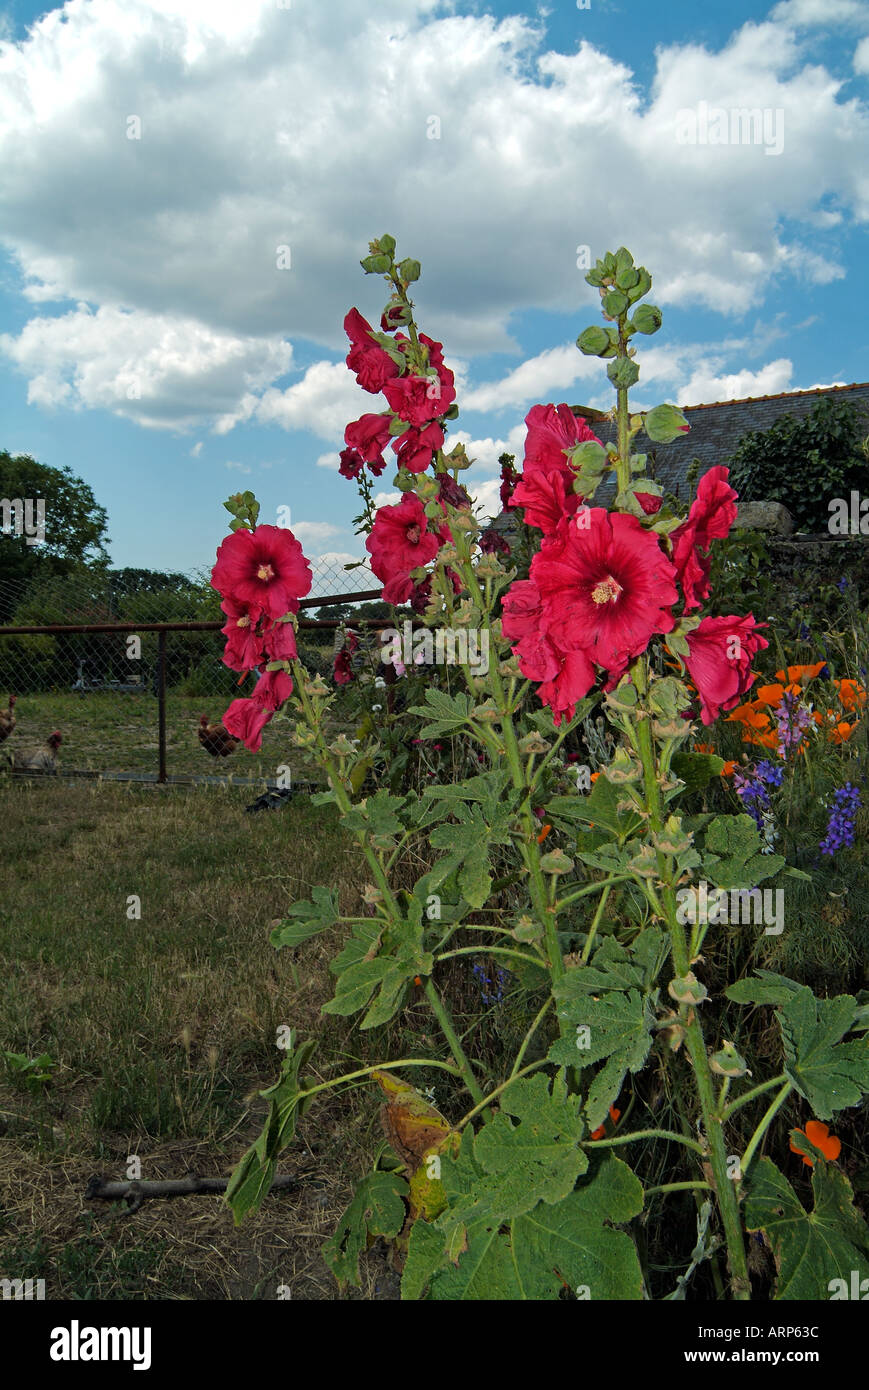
[(703, 748), (842, 732), (544, 832), (800, 673), (851, 694), (819, 1135), (771, 694), (750, 717), (594, 776), (615, 1116), (727, 770)]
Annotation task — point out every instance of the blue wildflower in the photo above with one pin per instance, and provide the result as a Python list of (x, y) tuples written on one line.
[(840, 826)]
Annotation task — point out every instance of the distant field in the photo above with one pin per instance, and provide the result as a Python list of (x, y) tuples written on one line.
[(109, 732)]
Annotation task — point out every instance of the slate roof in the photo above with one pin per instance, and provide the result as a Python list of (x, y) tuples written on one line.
[(717, 428)]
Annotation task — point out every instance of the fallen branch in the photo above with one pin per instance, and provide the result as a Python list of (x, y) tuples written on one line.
[(135, 1192)]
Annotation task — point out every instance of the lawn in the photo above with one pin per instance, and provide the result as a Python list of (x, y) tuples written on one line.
[(109, 732), (162, 1030)]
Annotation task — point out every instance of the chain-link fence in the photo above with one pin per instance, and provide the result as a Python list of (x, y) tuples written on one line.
[(124, 664)]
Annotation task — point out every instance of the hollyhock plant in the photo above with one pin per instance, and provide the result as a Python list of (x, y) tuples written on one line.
[(712, 514), (264, 568), (400, 541), (569, 882), (720, 653)]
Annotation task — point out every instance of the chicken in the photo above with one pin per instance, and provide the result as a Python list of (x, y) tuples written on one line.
[(7, 719), (215, 739), (43, 760)]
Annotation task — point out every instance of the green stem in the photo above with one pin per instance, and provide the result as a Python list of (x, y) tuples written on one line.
[(381, 1066), (449, 1032), (750, 1095), (767, 1120), (646, 1134), (591, 888), (528, 1036), (592, 931), (487, 951), (532, 1066), (677, 1187)]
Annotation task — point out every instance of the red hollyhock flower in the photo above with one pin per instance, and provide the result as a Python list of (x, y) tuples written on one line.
[(342, 668), (649, 502), (280, 642), (244, 649), (351, 465), (246, 720), (721, 651), (416, 447), (545, 489), (566, 676), (712, 514), (369, 435), (606, 588), (400, 542), (419, 399), (371, 363), (264, 568), (272, 689)]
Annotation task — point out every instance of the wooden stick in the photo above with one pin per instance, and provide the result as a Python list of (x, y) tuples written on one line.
[(136, 1192)]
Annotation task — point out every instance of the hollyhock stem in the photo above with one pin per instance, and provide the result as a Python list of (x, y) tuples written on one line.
[(382, 881), (724, 1188)]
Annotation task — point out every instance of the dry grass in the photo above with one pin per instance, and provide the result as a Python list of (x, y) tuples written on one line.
[(162, 1031)]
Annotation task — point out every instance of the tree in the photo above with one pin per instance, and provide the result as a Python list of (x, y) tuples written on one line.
[(75, 526), (804, 462)]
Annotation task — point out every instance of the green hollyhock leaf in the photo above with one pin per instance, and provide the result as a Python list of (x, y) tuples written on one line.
[(764, 987), (732, 858), (253, 1175), (828, 1073), (533, 1255), (664, 423), (306, 919), (447, 713), (696, 770), (598, 808), (593, 341), (647, 319), (377, 1209), (811, 1249), (614, 1027)]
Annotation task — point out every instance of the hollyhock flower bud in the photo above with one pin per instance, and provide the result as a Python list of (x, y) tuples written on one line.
[(264, 568), (371, 363), (649, 502), (491, 543), (452, 493)]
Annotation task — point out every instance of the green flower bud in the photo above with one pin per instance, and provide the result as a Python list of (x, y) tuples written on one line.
[(647, 318), (593, 341)]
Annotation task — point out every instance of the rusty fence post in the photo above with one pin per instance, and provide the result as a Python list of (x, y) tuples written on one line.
[(161, 703)]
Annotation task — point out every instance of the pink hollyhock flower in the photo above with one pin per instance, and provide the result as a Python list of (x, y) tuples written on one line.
[(575, 678), (419, 399), (272, 689), (551, 430), (369, 436), (545, 489), (351, 464), (246, 720), (712, 514), (721, 651), (244, 649), (264, 568), (521, 624), (416, 447), (400, 542), (371, 363), (546, 497), (606, 587), (280, 642), (342, 667)]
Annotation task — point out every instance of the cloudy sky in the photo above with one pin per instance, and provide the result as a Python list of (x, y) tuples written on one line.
[(157, 155)]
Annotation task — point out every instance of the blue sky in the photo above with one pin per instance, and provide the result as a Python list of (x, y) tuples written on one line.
[(149, 341)]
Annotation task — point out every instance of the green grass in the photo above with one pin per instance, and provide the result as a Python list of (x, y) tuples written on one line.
[(109, 732)]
